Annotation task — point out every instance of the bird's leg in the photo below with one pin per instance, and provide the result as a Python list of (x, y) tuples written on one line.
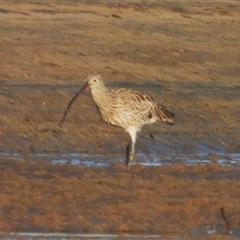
[(131, 147), (130, 152)]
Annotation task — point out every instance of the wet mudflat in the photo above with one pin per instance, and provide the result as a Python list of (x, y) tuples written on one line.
[(176, 52), (167, 200)]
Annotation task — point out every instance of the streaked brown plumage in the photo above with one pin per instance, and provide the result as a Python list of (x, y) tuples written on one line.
[(124, 108)]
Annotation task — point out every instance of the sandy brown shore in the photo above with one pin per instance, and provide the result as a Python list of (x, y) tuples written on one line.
[(185, 55), (170, 201)]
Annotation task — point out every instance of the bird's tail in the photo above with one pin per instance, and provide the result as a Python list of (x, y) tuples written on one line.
[(165, 115)]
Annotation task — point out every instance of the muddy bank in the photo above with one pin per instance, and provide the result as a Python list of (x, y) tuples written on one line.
[(175, 200), (206, 120), (177, 53)]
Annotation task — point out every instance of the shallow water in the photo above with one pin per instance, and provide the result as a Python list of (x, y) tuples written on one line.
[(210, 229), (65, 236), (148, 160), (202, 231)]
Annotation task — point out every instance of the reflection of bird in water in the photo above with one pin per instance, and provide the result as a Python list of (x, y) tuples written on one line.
[(124, 108)]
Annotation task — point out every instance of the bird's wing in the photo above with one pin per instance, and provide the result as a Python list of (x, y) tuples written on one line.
[(145, 103)]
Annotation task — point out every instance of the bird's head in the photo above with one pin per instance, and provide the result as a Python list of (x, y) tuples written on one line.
[(94, 81)]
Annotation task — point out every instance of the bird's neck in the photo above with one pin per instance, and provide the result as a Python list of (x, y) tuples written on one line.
[(99, 94)]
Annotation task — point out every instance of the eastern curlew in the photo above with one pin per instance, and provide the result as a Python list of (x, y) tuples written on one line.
[(124, 108)]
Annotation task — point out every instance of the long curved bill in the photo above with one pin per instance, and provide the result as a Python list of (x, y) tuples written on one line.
[(86, 86)]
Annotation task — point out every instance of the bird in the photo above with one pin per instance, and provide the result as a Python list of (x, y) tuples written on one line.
[(125, 108)]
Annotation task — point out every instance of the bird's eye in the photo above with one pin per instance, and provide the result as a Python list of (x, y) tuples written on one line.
[(95, 80)]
